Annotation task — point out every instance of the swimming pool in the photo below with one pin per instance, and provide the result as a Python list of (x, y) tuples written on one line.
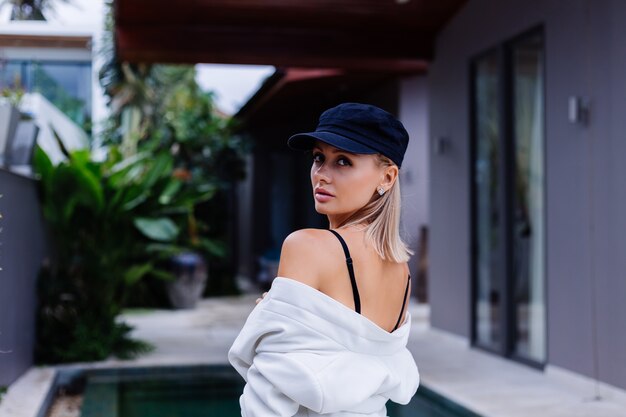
[(204, 391)]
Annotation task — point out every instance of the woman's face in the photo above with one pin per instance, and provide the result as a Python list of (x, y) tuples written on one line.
[(350, 179)]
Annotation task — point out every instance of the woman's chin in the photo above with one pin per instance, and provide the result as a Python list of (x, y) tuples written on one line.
[(322, 208)]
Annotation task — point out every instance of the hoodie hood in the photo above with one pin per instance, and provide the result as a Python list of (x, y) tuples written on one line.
[(333, 319)]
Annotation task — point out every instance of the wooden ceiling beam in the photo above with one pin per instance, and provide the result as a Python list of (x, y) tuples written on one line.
[(428, 14), (352, 34), (279, 47)]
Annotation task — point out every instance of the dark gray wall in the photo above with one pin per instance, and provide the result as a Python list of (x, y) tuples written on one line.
[(413, 113), (22, 248), (585, 174)]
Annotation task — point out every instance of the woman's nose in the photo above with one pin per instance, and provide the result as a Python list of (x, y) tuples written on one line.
[(320, 173)]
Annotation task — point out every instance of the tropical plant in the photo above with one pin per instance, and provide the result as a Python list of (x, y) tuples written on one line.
[(112, 223), (132, 95), (13, 95), (158, 107), (31, 9)]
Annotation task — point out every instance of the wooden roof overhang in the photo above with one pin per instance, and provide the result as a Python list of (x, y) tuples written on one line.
[(371, 35), (45, 41), (291, 92)]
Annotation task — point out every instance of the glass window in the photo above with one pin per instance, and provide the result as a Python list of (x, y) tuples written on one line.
[(11, 74), (528, 218), (66, 84), (487, 191)]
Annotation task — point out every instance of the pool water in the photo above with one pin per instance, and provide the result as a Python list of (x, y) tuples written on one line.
[(205, 391)]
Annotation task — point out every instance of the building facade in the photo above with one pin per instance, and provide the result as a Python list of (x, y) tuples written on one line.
[(516, 166), (528, 191)]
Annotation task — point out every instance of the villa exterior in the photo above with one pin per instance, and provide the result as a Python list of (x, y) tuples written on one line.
[(516, 166)]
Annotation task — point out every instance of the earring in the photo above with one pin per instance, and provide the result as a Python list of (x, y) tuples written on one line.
[(381, 190)]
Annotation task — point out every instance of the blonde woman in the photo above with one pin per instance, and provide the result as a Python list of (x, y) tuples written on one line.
[(329, 337)]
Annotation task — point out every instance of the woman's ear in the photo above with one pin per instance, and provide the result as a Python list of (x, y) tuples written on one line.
[(389, 176)]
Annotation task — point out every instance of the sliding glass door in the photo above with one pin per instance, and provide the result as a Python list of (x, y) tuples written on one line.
[(528, 216), (507, 189), (487, 194)]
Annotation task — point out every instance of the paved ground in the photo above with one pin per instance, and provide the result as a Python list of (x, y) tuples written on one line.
[(487, 384)]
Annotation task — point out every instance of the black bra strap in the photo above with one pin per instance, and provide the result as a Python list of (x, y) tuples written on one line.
[(403, 302), (355, 290)]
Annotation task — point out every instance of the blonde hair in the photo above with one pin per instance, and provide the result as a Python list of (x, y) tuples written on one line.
[(382, 221)]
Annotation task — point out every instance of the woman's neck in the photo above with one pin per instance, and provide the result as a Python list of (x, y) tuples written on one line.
[(350, 227)]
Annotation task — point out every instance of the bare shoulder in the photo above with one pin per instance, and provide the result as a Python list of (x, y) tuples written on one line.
[(408, 274), (302, 255)]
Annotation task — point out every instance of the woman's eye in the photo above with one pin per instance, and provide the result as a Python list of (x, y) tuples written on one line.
[(345, 161), (315, 155)]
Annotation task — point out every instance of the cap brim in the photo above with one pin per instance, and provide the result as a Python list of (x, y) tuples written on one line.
[(305, 141)]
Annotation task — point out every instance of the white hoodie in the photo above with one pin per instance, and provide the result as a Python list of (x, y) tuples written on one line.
[(303, 353)]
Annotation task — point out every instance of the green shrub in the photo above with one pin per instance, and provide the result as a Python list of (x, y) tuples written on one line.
[(111, 224)]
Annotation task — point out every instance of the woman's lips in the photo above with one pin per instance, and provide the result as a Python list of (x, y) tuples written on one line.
[(322, 198)]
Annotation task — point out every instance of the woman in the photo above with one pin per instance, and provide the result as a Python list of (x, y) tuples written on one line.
[(329, 337)]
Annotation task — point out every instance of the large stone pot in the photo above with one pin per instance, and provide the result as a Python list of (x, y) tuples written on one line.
[(191, 274)]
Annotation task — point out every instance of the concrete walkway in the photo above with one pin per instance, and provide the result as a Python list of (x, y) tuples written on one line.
[(489, 385)]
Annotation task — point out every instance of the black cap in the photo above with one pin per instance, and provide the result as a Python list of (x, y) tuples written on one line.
[(357, 128)]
